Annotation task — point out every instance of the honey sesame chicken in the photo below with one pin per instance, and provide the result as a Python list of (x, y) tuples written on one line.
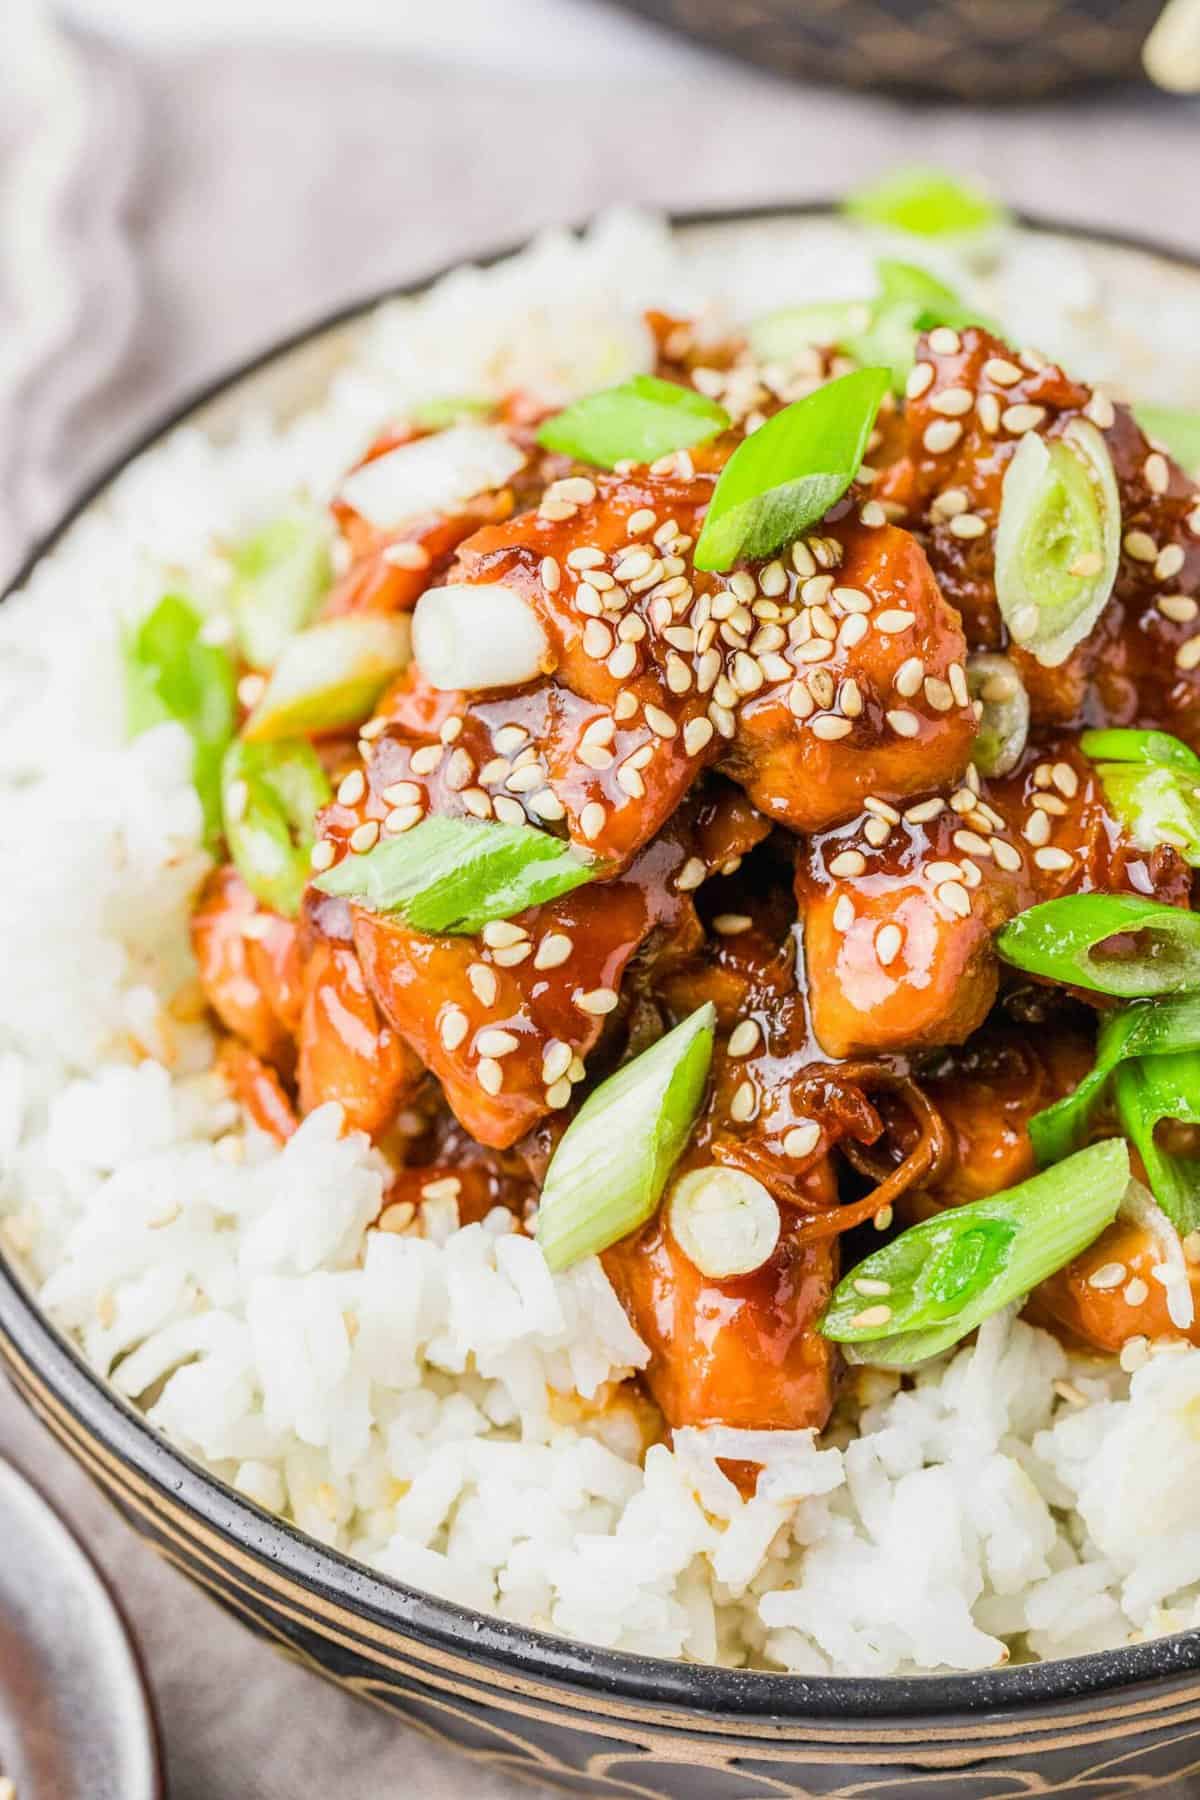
[(766, 780)]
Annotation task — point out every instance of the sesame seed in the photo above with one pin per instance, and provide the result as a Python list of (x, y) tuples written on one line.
[(352, 788), (1137, 1292), (850, 698), (1036, 829), (1053, 859), (551, 575), (691, 875), (697, 735), (883, 1218), (843, 913), (1022, 418), (641, 520), (1100, 411), (952, 402), (597, 1001), (877, 832), (923, 811), (945, 341), (552, 951), (556, 1060), (1108, 1275), (920, 378), (802, 1139), (1157, 473), (723, 719), (509, 812), (477, 803), (425, 760), (941, 435), (820, 683), (450, 729), (509, 739), (501, 934), (557, 510), (894, 618), (489, 1075), (509, 958), (744, 1101), (322, 854), (971, 844), (1169, 562), (905, 724), (397, 1217), (888, 940), (364, 837), (1188, 654), (622, 662), (1006, 855), (634, 565), (732, 924), (871, 1315), (1140, 546), (1065, 779), (401, 793), (774, 579), (1051, 803), (968, 525), (872, 514), (402, 819), (660, 723), (453, 1027), (525, 777), (744, 1038), (954, 897), (799, 700), (848, 863), (1180, 608), (908, 677), (831, 728), (950, 502), (1001, 371)]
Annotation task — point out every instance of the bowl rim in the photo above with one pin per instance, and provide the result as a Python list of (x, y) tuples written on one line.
[(692, 1690)]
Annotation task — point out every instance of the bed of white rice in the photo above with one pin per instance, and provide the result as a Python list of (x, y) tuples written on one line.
[(438, 1405)]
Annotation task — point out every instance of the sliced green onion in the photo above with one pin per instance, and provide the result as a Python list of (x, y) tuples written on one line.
[(1057, 940), (271, 794), (789, 472), (725, 1222), (330, 676), (779, 336), (925, 203), (171, 673), (1148, 1091), (1157, 748), (911, 301), (1058, 540), (456, 875), (639, 421), (613, 1161), (1147, 1028), (280, 576), (1152, 783), (449, 409), (1003, 728), (938, 1280), (1178, 429)]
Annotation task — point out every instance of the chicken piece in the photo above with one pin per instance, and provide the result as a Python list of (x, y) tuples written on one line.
[(256, 1087), (1132, 669), (899, 922), (249, 966), (347, 1052), (741, 1352), (388, 571), (880, 710), (1111, 1294), (506, 1019)]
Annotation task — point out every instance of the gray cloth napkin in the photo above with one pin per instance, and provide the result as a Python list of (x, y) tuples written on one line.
[(204, 203)]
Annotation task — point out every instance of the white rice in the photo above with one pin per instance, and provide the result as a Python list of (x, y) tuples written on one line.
[(438, 1405)]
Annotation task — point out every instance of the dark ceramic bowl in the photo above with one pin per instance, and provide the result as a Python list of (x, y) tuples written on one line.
[(992, 50), (585, 1720)]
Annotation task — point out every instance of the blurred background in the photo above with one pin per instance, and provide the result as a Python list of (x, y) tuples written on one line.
[(182, 181)]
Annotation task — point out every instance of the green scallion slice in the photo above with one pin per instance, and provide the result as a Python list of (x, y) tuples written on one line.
[(789, 472), (610, 1169), (1003, 730), (1058, 940), (280, 576), (1149, 1091), (639, 421), (330, 676), (449, 409), (1177, 428), (779, 336), (925, 203), (456, 875), (922, 1293), (1058, 540), (271, 795), (1152, 783), (1146, 1028), (170, 672)]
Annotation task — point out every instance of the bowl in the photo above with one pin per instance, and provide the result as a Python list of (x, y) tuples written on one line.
[(995, 50), (582, 1719)]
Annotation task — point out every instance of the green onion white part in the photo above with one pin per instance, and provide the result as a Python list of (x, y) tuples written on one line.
[(475, 637), (330, 676), (1147, 1092), (608, 1174), (725, 1222), (1058, 540), (1152, 783), (943, 1277), (432, 474), (1003, 729)]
